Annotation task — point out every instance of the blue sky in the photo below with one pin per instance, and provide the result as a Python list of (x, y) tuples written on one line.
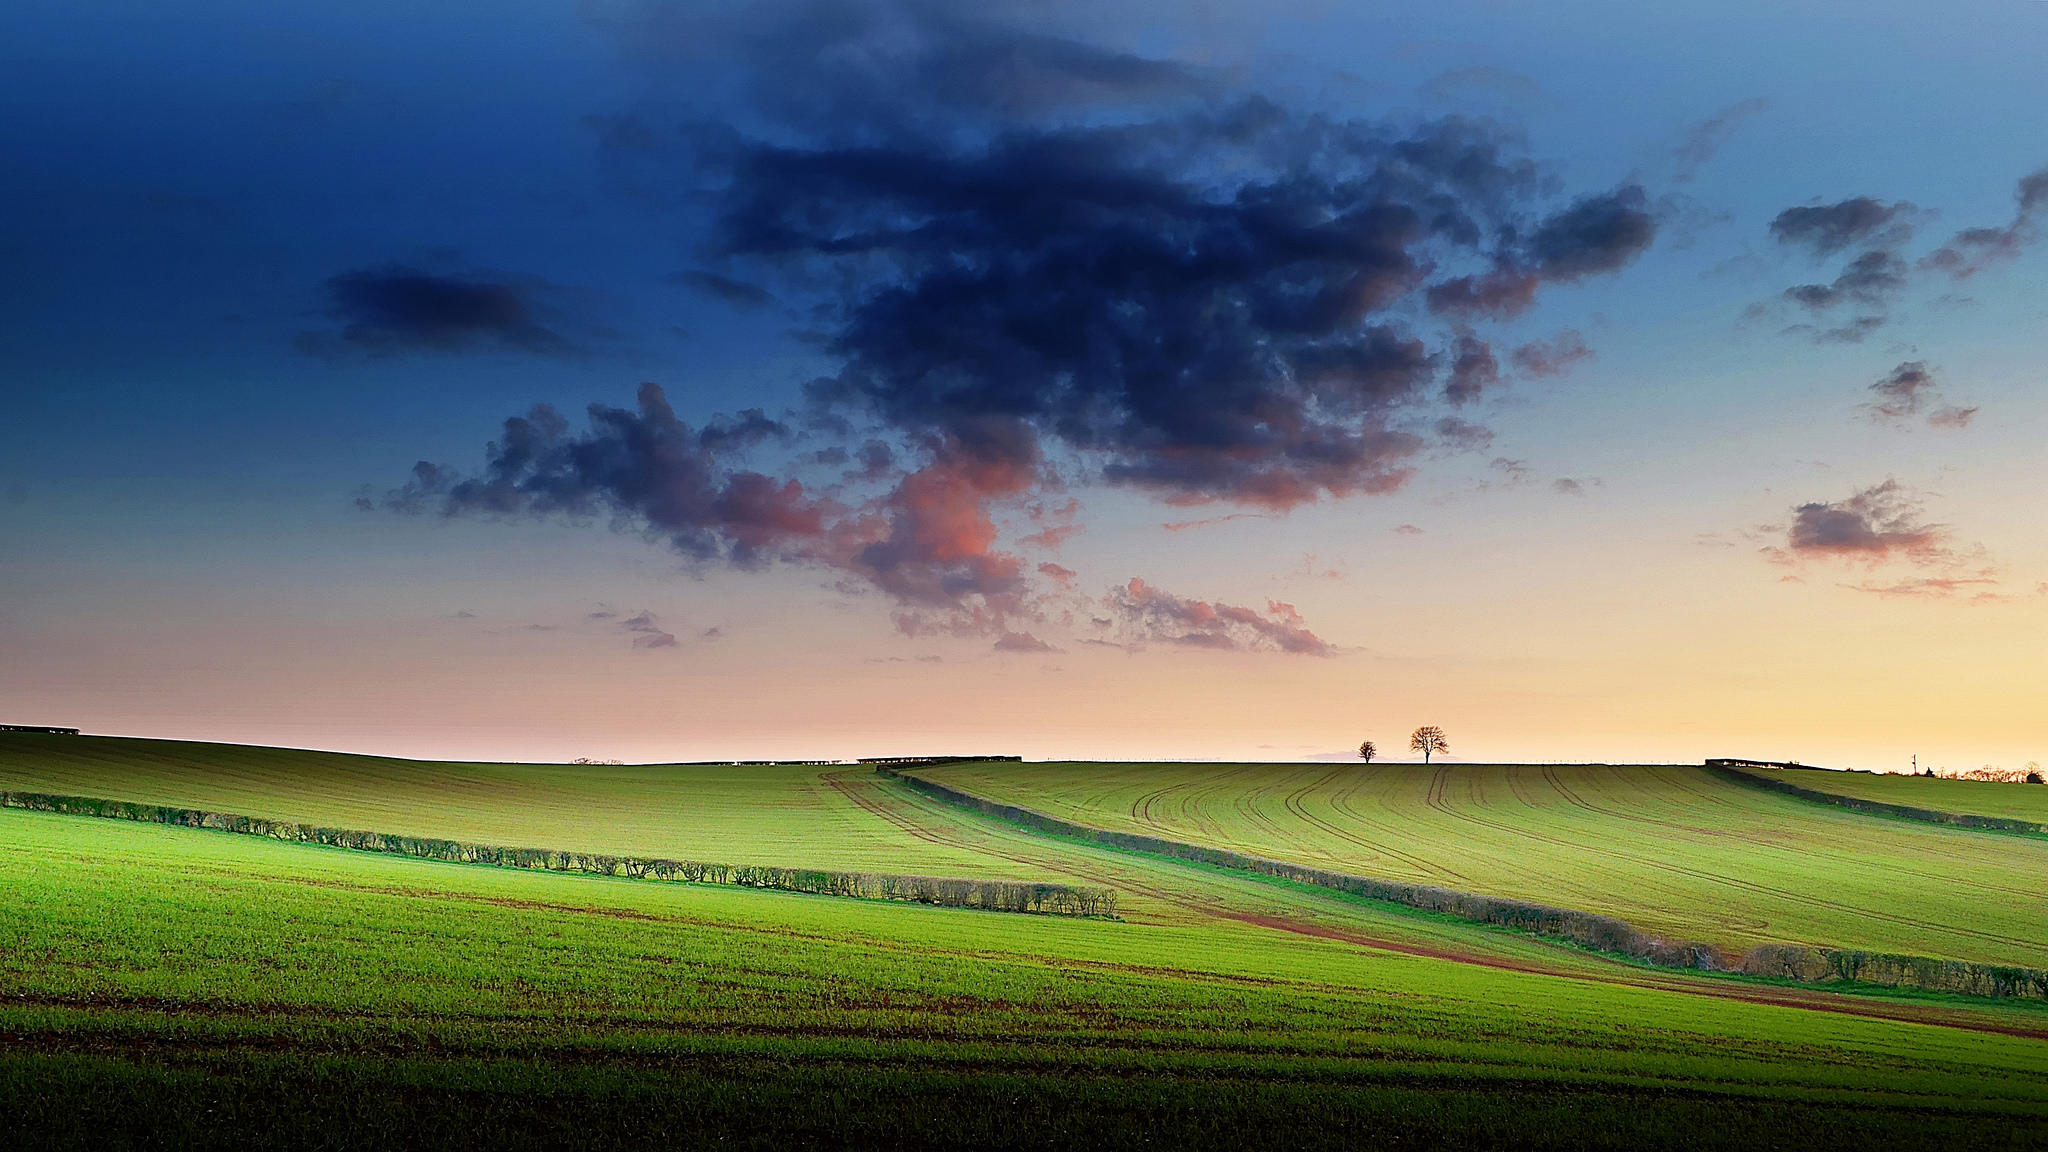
[(189, 425)]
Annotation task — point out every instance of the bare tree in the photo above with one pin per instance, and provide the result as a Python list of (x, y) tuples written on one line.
[(1367, 751), (1428, 739)]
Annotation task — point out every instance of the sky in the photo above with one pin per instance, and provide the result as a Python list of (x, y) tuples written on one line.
[(681, 381)]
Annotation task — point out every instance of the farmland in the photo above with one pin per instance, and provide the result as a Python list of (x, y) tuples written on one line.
[(168, 981), (1970, 797), (1674, 849)]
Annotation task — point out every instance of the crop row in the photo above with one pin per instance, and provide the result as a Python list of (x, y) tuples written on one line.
[(1591, 930), (991, 895)]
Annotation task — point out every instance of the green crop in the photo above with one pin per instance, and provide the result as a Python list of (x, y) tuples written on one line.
[(165, 986), (1674, 850)]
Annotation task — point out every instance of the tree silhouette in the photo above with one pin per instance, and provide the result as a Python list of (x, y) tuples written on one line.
[(1367, 751), (1428, 739)]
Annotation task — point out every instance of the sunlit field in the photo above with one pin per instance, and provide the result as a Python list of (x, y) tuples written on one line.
[(187, 982), (1675, 849)]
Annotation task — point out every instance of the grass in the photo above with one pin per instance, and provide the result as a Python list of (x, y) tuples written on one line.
[(152, 964), (1672, 849), (167, 987), (794, 815), (1935, 793)]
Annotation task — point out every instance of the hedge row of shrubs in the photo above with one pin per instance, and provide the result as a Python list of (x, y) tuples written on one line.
[(1879, 807), (993, 895), (1828, 965), (1586, 929)]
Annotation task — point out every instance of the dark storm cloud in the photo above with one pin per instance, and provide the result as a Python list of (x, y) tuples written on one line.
[(1207, 343), (395, 309), (1201, 293), (1234, 341), (1826, 229), (642, 469), (1031, 260)]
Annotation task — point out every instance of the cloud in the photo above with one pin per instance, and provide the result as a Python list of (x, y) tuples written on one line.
[(1854, 331), (1028, 261), (1184, 525), (1825, 229), (1144, 614), (1707, 138), (646, 632), (1473, 370), (1595, 235), (1058, 573), (1513, 472), (1554, 357), (1407, 530), (395, 309), (1879, 272), (1052, 536), (1056, 524), (1022, 642), (641, 468), (1870, 279), (1909, 390), (1972, 250), (1204, 299), (1932, 587), (1903, 391), (1463, 435), (1875, 523), (1566, 486)]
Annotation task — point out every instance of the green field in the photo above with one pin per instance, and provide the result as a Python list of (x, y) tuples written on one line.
[(1971, 797), (1675, 850), (755, 814), (171, 986)]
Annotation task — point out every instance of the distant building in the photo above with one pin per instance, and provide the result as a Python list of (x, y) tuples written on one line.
[(45, 729)]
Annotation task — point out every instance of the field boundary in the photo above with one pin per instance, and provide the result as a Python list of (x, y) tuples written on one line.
[(1880, 807), (989, 895), (1798, 963)]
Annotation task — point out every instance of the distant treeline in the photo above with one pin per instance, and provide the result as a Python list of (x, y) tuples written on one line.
[(1585, 929), (992, 895), (1879, 807)]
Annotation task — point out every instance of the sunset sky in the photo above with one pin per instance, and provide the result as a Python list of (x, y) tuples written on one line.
[(1230, 380)]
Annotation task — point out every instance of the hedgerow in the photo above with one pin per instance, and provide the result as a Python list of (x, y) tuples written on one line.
[(991, 895)]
